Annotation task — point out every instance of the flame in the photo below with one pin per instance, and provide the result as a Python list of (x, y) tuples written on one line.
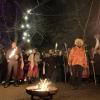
[(43, 85), (56, 45), (12, 53)]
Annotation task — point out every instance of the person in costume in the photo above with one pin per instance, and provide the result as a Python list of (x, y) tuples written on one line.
[(33, 72), (77, 61)]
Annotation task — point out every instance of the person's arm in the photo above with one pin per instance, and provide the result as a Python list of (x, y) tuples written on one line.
[(30, 57), (85, 60), (97, 43), (18, 54), (70, 57)]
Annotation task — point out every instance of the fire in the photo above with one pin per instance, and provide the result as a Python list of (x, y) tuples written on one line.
[(56, 45), (44, 89), (43, 85), (12, 53)]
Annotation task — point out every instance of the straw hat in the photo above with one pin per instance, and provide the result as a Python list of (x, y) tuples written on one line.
[(79, 42)]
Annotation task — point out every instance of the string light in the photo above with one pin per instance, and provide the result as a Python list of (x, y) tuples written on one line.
[(29, 11), (28, 40), (24, 38), (26, 17), (25, 33), (28, 35), (22, 26), (27, 25)]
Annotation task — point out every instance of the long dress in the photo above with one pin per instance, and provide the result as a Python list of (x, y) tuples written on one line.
[(33, 66)]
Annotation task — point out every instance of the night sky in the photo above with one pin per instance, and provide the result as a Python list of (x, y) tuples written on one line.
[(53, 21)]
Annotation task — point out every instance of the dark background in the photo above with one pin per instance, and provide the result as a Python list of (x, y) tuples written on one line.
[(53, 21)]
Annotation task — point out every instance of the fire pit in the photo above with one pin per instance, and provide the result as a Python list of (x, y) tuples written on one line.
[(42, 90)]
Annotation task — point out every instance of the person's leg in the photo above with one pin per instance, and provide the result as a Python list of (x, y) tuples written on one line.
[(0, 72), (76, 76), (79, 75), (8, 75), (29, 74), (25, 72), (4, 72), (15, 70), (35, 76), (73, 76)]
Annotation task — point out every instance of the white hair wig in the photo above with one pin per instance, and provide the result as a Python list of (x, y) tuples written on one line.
[(78, 42)]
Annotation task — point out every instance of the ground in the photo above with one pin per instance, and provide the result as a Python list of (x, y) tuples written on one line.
[(85, 92)]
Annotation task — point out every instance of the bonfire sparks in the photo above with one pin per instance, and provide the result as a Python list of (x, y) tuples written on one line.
[(43, 85), (44, 89)]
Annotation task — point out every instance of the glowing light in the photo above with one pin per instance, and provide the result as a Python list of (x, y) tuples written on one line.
[(43, 85), (22, 26), (12, 53), (29, 11), (25, 33), (27, 25), (24, 38), (65, 45), (56, 45), (30, 51), (28, 35), (26, 17), (28, 40)]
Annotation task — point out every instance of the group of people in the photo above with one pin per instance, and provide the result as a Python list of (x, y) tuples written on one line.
[(84, 64), (24, 66), (54, 64), (15, 61)]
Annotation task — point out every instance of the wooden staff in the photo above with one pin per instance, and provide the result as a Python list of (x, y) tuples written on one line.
[(92, 62), (94, 74), (65, 68)]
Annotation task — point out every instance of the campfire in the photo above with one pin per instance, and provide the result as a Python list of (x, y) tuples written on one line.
[(42, 89)]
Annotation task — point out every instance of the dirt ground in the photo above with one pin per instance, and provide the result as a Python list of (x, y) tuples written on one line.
[(85, 92)]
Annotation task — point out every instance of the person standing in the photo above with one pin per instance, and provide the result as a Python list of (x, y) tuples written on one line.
[(96, 59), (12, 56), (2, 59), (33, 71), (77, 61), (51, 66)]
